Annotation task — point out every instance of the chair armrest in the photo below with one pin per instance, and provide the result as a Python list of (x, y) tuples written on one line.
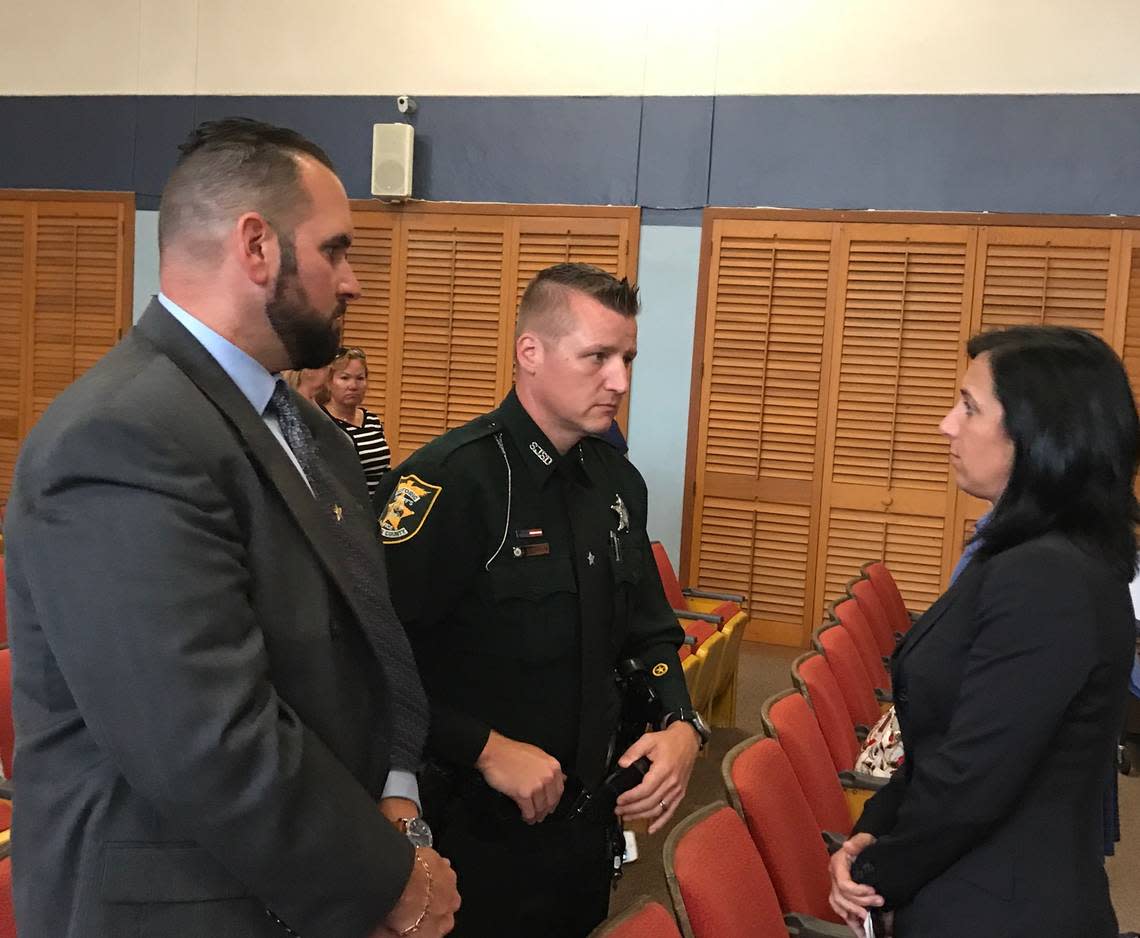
[(832, 841), (808, 926), (6, 789), (698, 616), (712, 594), (861, 780), (689, 640), (883, 696), (861, 732), (914, 616)]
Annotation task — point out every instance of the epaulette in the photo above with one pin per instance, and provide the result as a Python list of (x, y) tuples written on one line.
[(443, 446)]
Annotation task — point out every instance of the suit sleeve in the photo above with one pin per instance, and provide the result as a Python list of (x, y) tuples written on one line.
[(654, 634), (428, 574), (1034, 649), (165, 659)]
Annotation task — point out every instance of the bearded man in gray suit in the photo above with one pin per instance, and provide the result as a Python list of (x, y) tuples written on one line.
[(211, 690)]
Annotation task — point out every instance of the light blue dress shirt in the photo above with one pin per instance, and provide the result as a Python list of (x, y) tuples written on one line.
[(257, 385)]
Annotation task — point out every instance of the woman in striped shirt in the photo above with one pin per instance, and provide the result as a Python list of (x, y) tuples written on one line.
[(348, 383)]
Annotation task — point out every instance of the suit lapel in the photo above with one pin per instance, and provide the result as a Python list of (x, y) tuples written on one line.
[(959, 592), (264, 450)]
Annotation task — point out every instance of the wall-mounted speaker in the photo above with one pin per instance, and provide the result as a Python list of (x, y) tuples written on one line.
[(392, 160)]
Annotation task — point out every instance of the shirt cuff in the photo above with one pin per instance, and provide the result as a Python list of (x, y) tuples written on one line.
[(403, 784)]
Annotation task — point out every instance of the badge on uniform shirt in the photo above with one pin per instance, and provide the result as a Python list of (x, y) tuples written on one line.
[(407, 509), (660, 669), (619, 509)]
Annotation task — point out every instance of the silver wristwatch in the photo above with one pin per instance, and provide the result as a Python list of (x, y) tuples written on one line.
[(417, 831)]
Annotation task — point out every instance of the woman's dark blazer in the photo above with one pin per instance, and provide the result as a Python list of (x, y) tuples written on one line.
[(1010, 693)]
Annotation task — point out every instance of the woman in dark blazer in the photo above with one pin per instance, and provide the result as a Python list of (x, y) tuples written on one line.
[(1010, 690)]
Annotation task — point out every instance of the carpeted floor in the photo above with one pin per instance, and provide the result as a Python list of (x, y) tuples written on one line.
[(764, 669)]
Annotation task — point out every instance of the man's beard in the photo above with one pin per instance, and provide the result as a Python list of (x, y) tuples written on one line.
[(310, 340)]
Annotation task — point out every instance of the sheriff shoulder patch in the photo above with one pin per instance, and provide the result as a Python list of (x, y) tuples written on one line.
[(407, 509)]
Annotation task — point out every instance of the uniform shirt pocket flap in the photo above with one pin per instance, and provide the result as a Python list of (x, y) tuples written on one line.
[(533, 578)]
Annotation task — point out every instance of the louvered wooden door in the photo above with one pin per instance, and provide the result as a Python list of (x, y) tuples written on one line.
[(764, 372), (16, 253), (902, 320), (903, 296), (1129, 329), (1057, 277), (65, 288), (450, 333), (440, 288), (539, 242), (369, 320)]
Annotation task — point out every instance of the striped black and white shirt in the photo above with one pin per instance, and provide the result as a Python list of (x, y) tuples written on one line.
[(371, 446)]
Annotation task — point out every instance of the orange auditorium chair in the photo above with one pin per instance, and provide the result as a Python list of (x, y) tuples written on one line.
[(644, 919), (890, 595), (763, 787), (836, 798), (837, 645), (725, 610), (7, 914), (813, 678), (849, 614), (719, 885), (863, 591)]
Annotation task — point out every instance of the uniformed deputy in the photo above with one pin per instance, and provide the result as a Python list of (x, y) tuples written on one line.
[(519, 563)]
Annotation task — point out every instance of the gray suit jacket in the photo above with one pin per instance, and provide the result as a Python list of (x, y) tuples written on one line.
[(202, 728)]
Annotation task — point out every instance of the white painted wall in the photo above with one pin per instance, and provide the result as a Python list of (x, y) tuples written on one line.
[(591, 47)]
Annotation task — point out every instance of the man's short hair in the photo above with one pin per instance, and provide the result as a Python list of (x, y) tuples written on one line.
[(228, 167), (544, 307)]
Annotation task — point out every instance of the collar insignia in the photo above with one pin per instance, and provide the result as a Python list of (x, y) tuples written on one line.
[(543, 455)]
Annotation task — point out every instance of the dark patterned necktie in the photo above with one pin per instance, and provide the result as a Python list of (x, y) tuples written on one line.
[(365, 566)]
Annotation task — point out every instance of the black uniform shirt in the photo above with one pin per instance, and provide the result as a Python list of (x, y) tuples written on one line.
[(523, 577)]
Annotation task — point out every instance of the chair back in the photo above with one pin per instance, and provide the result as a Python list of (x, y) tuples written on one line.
[(3, 605), (763, 787), (789, 720), (837, 645), (7, 913), (711, 658), (848, 613), (814, 679), (668, 577), (723, 709), (717, 880), (644, 919), (7, 728), (889, 595), (863, 592)]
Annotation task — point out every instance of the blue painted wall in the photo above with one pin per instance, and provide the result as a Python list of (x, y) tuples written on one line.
[(671, 155), (1016, 153), (659, 399)]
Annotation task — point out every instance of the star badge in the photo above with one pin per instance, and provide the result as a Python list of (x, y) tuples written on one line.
[(590, 558), (339, 512), (618, 508)]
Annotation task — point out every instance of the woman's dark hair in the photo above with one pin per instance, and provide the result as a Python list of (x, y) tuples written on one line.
[(1070, 414)]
